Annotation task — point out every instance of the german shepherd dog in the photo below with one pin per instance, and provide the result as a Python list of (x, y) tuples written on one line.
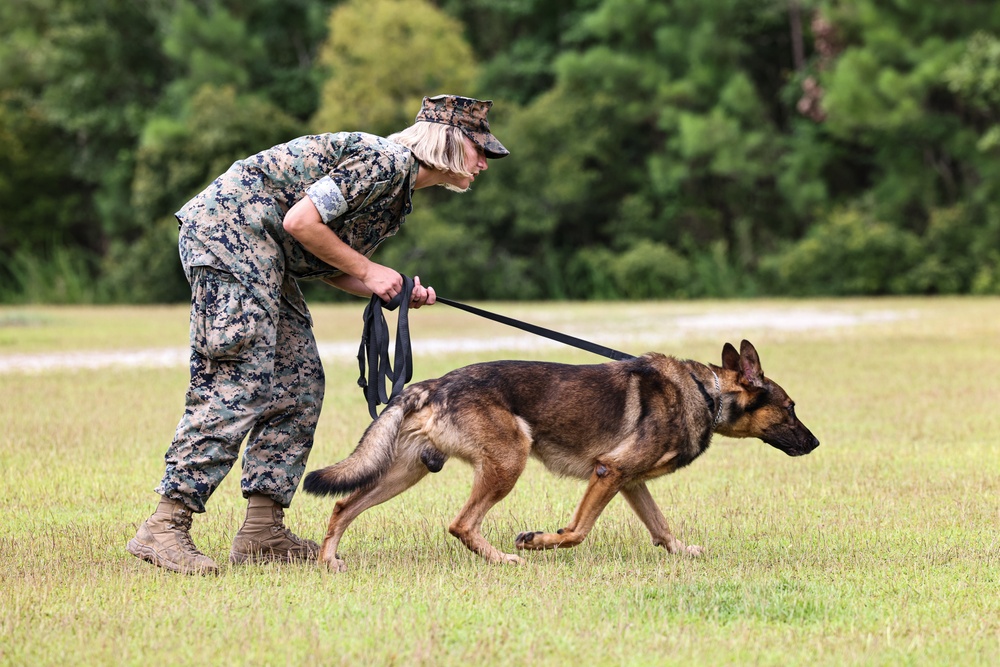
[(616, 424)]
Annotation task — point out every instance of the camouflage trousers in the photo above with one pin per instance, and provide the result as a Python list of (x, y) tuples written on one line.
[(250, 375)]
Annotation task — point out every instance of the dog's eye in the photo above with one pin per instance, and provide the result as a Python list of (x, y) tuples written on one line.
[(791, 409)]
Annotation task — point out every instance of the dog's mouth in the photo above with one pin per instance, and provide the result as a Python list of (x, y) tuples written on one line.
[(794, 446)]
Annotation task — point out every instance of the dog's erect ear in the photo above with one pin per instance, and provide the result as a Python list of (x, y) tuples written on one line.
[(730, 358), (750, 365)]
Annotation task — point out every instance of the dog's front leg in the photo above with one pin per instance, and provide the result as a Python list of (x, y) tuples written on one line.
[(641, 501), (605, 482)]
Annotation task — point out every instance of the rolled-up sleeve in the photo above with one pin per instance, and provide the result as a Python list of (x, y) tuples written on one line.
[(328, 199)]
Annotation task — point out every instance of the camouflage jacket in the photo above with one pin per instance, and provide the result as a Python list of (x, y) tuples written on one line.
[(360, 184)]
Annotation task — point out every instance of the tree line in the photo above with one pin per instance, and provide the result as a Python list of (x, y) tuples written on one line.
[(659, 148)]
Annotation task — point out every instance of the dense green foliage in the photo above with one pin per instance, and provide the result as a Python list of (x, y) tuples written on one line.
[(683, 149)]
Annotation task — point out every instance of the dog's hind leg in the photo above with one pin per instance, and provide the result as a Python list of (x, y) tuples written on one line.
[(605, 482), (404, 473), (497, 468), (641, 501), (490, 486)]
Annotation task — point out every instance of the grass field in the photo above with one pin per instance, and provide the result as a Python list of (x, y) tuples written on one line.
[(880, 548)]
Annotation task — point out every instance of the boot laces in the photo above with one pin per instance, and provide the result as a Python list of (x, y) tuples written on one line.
[(279, 519), (181, 521)]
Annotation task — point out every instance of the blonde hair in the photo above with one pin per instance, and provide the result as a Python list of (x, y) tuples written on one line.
[(436, 146)]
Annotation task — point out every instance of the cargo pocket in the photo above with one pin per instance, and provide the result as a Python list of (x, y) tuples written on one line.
[(225, 317)]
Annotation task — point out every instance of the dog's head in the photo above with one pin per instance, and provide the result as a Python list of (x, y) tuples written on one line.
[(762, 408)]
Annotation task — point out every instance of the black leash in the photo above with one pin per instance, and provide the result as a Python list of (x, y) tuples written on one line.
[(375, 347), (375, 344), (541, 331)]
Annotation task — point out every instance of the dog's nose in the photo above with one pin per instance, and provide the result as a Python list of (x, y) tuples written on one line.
[(814, 444)]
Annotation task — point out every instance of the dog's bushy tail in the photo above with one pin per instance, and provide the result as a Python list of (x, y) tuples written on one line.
[(373, 456)]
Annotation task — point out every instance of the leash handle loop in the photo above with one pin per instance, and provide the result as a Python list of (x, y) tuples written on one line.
[(375, 349)]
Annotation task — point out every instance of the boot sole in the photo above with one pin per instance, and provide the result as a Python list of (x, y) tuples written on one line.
[(148, 554), (257, 559)]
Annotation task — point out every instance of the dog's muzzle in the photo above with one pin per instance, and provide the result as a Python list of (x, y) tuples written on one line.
[(802, 451), (794, 442)]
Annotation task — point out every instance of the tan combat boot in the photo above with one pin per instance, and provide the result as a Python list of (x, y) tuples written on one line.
[(263, 536), (164, 540)]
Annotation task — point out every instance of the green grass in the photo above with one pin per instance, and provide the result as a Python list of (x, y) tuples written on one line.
[(882, 547)]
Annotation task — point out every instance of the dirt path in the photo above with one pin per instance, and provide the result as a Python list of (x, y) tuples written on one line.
[(724, 323)]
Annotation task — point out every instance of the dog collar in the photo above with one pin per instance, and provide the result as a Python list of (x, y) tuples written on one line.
[(718, 390)]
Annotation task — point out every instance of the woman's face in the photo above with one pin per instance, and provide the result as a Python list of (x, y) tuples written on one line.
[(475, 162)]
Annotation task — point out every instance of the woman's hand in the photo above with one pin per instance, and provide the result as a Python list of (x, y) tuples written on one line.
[(382, 280), (421, 296)]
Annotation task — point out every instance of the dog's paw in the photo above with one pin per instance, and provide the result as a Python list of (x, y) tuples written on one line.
[(334, 564), (675, 546), (523, 540), (511, 559)]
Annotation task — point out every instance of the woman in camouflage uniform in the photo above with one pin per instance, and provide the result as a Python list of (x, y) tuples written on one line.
[(316, 207)]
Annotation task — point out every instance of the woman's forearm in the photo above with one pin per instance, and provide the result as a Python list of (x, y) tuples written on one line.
[(304, 223), (349, 284)]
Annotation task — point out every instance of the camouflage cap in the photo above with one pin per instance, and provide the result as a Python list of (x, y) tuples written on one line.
[(467, 114)]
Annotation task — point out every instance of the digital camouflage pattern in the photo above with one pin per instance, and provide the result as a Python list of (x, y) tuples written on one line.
[(250, 374), (360, 184), (468, 115), (255, 368)]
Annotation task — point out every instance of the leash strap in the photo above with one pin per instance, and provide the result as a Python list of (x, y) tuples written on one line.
[(375, 349), (541, 331)]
